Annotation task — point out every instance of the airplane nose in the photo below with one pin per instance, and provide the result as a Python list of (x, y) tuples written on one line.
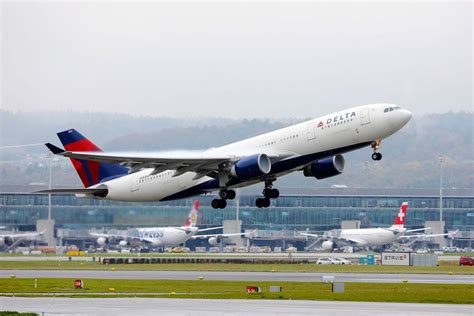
[(406, 116)]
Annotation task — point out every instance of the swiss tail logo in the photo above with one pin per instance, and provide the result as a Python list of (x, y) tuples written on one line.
[(401, 215), (191, 221), (90, 172)]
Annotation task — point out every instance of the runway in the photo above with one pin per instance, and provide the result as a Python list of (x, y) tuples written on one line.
[(243, 276), (145, 306)]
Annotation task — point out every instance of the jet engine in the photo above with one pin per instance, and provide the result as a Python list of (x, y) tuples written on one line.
[(214, 241), (2, 242), (327, 245), (325, 168), (101, 241), (251, 167)]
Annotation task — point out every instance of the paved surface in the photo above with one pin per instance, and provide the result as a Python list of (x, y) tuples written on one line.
[(241, 276), (145, 306), (300, 255)]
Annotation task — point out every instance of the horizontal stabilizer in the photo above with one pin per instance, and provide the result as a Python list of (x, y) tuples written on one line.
[(96, 192), (54, 149)]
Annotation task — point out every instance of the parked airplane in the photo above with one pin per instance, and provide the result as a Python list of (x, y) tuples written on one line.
[(314, 147), (10, 238), (367, 237), (166, 236)]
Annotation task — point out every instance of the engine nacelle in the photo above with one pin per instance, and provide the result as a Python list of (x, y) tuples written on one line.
[(325, 168), (327, 245), (123, 243), (251, 167), (214, 241), (101, 241), (2, 242)]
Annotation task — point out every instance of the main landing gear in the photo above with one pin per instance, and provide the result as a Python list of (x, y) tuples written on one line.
[(376, 146), (225, 195), (268, 193)]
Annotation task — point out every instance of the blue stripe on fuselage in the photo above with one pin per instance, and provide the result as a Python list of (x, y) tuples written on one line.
[(279, 167)]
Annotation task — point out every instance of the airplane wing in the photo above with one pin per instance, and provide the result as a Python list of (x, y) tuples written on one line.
[(309, 235), (212, 228), (423, 236), (222, 235), (201, 162), (22, 235), (417, 230), (108, 235)]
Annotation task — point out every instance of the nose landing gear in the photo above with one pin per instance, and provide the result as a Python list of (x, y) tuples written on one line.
[(376, 146), (222, 202)]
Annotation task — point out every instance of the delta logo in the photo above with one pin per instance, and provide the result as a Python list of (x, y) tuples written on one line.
[(320, 124)]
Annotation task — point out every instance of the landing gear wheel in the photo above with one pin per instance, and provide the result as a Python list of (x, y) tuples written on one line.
[(219, 203), (275, 193), (271, 193), (376, 156), (227, 194), (262, 202), (215, 203), (231, 194), (222, 203)]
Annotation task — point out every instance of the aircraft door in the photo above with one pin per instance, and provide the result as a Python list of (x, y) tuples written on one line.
[(311, 131), (364, 116), (133, 183)]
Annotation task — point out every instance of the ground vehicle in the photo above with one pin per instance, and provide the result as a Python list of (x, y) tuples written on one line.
[(327, 260), (343, 261), (466, 261)]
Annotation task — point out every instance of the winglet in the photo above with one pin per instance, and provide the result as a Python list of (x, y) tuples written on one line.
[(55, 150)]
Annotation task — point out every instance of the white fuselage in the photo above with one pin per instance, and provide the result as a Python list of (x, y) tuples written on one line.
[(371, 236), (164, 236), (304, 142)]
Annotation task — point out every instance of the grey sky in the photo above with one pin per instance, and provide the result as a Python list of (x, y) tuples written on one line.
[(235, 59)]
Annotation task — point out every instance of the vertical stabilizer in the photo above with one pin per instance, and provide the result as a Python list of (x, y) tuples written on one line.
[(90, 172), (401, 215), (191, 221)]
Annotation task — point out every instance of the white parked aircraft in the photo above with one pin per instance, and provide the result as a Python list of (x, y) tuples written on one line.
[(167, 236), (314, 147), (371, 237), (10, 238)]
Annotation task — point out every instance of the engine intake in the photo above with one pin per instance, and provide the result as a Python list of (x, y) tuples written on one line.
[(251, 167), (325, 168)]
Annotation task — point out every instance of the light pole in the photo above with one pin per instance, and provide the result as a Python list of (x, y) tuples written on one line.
[(50, 159), (441, 161)]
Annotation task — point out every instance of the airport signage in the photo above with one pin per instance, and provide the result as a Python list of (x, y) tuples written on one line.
[(396, 258)]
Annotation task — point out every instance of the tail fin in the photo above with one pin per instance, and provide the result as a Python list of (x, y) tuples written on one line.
[(90, 172), (402, 213), (191, 221)]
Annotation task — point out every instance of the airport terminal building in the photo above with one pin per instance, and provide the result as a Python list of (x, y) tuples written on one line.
[(314, 210)]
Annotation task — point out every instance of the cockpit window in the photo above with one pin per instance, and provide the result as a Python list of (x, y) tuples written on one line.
[(390, 109)]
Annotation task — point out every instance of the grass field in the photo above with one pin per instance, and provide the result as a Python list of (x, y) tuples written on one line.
[(370, 292), (446, 267)]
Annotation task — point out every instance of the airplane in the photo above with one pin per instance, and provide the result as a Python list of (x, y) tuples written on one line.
[(9, 239), (314, 147), (162, 237), (371, 237)]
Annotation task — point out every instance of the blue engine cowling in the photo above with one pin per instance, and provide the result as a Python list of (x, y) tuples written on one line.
[(251, 167), (325, 168)]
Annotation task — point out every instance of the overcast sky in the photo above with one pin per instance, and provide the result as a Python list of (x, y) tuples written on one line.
[(235, 59)]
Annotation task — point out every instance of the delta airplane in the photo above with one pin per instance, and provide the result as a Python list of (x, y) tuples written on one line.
[(314, 147), (371, 237), (167, 236)]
